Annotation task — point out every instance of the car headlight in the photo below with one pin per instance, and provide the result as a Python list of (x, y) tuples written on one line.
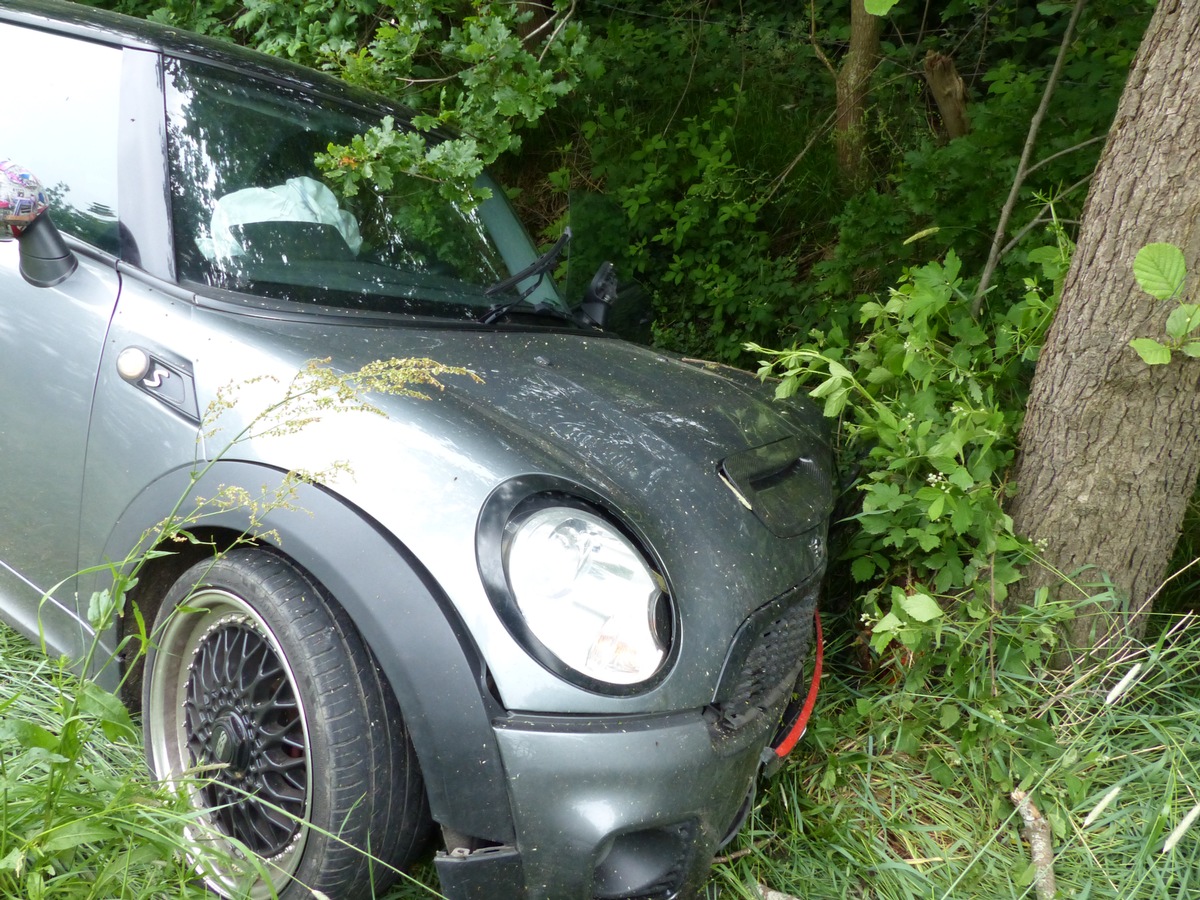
[(587, 594)]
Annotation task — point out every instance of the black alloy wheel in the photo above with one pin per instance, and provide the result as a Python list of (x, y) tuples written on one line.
[(262, 698)]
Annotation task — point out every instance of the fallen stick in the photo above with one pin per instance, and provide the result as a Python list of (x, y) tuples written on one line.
[(1041, 845)]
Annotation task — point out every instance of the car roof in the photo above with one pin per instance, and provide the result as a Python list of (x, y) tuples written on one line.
[(113, 28)]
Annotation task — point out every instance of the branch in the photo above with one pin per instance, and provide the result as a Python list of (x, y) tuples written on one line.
[(812, 39), (1041, 845), (1053, 156), (1023, 165), (557, 31), (1040, 218), (778, 181)]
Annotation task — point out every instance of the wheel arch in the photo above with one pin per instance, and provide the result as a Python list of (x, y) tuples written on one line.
[(421, 644)]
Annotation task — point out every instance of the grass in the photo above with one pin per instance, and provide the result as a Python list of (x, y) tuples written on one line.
[(861, 813), (80, 816), (887, 797)]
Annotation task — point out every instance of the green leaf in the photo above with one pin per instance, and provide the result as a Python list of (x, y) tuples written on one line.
[(1151, 351), (883, 632), (1191, 349), (879, 7), (862, 568), (27, 734), (936, 507), (107, 707), (1160, 270), (949, 715), (920, 607), (100, 609), (1183, 320), (962, 479), (75, 833), (1044, 255)]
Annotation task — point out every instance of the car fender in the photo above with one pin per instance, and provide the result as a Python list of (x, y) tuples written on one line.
[(410, 625)]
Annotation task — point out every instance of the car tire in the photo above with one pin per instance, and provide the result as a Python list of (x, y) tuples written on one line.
[(261, 682)]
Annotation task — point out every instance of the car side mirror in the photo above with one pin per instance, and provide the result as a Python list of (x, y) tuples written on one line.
[(45, 258), (600, 295)]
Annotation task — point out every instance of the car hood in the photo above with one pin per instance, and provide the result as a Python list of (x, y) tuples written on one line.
[(729, 487), (632, 418)]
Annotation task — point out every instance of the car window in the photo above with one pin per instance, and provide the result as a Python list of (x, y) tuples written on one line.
[(60, 122), (252, 214)]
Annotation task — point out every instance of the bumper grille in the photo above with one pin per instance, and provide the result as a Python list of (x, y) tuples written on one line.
[(762, 666)]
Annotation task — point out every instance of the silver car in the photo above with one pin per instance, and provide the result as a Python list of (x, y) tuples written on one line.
[(554, 615)]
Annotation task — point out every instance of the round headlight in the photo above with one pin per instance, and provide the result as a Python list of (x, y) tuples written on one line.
[(587, 594)]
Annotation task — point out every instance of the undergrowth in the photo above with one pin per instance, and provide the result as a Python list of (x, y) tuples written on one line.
[(80, 815), (903, 790)]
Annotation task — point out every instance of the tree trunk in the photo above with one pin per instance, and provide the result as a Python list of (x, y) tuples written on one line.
[(853, 87), (540, 15), (1110, 445), (948, 92)]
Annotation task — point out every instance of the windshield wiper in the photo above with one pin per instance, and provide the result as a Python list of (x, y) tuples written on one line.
[(538, 267)]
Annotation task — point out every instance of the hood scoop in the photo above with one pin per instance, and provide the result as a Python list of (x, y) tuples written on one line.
[(783, 483)]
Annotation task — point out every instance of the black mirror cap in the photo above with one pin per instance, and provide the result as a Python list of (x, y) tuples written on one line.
[(45, 258), (600, 295)]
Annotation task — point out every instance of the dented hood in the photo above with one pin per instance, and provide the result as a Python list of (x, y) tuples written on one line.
[(640, 421)]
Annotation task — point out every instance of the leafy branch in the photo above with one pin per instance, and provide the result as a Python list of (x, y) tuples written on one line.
[(1161, 272)]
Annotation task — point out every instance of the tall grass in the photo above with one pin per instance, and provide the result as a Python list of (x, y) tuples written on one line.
[(1112, 761), (80, 815), (874, 804)]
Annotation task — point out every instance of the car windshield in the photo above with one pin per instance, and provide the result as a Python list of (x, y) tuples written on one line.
[(251, 213)]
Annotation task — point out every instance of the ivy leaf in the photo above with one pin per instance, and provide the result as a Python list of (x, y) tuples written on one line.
[(1160, 270), (1151, 351)]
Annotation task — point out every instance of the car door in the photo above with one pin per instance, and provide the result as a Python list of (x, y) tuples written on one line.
[(60, 122)]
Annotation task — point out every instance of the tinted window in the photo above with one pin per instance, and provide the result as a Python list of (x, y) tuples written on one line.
[(252, 214), (60, 122)]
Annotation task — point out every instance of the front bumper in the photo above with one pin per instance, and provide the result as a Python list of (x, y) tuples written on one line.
[(608, 807), (622, 807)]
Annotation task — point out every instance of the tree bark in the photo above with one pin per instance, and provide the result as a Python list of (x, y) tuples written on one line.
[(948, 92), (853, 89), (1110, 445), (540, 15)]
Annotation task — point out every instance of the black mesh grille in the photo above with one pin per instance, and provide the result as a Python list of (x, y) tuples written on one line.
[(763, 663)]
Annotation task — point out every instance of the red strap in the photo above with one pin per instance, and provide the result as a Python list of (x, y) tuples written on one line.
[(797, 730)]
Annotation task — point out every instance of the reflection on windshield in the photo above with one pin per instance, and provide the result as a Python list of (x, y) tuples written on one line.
[(251, 213)]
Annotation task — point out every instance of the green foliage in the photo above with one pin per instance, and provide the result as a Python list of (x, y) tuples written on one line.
[(80, 816), (903, 790), (694, 227), (465, 66), (1161, 272), (929, 401)]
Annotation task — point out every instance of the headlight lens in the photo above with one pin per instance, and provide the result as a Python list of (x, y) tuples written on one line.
[(586, 592)]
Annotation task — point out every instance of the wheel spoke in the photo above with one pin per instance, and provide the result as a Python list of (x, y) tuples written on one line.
[(240, 712)]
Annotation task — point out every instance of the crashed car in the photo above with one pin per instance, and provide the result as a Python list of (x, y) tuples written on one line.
[(556, 616)]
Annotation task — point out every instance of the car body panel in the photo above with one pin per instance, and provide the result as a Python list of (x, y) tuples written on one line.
[(50, 340)]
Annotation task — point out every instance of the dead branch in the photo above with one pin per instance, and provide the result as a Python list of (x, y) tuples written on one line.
[(1041, 845), (949, 93)]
